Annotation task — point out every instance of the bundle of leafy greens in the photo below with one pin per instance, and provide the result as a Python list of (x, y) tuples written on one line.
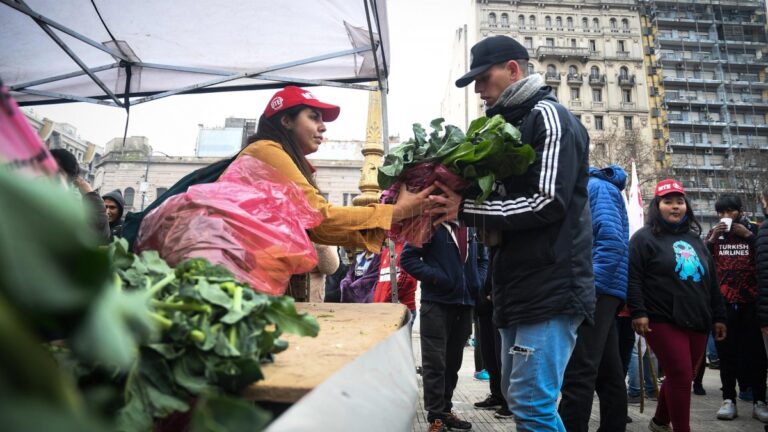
[(100, 339), (491, 149)]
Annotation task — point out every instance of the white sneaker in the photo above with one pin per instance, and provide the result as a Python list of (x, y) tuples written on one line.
[(727, 411), (760, 411), (655, 427)]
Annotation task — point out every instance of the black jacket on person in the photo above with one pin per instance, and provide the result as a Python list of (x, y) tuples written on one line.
[(543, 266), (116, 227), (761, 245), (672, 279), (438, 267)]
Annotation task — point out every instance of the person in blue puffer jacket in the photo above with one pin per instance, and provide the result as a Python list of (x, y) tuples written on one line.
[(595, 364)]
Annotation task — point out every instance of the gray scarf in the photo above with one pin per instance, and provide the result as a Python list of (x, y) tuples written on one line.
[(520, 91)]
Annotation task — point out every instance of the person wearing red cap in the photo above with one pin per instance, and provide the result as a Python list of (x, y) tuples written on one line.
[(291, 127), (674, 298)]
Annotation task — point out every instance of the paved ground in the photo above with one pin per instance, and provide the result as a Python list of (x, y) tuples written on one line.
[(469, 391)]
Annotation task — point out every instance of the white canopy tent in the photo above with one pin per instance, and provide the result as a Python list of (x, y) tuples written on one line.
[(123, 53)]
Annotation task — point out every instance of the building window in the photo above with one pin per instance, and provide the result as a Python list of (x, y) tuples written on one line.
[(572, 70), (625, 25), (628, 122), (573, 43), (326, 196), (160, 191), (599, 122), (530, 69), (585, 23), (504, 20), (548, 22), (521, 21), (551, 70), (612, 23), (578, 117), (574, 93), (569, 23), (559, 23), (596, 24), (592, 45), (621, 46), (623, 73), (492, 19), (529, 43), (550, 42), (532, 21), (348, 197), (594, 72), (597, 95), (128, 195), (626, 95)]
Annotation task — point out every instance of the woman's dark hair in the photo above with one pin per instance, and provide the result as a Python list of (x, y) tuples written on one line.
[(654, 219), (728, 202), (272, 129), (67, 162)]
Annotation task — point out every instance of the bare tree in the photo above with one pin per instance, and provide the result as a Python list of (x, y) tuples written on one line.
[(748, 176)]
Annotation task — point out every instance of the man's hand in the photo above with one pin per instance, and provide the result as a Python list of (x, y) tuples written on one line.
[(740, 230), (411, 204), (82, 185), (640, 326), (446, 206), (717, 231), (720, 331)]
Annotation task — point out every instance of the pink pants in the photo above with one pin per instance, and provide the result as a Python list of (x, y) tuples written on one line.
[(679, 351)]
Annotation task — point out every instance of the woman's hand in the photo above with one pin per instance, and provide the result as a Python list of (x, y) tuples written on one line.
[(446, 206), (640, 326), (740, 230), (720, 331), (411, 204)]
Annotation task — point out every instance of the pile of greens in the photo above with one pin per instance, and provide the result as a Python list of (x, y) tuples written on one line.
[(100, 339), (491, 149)]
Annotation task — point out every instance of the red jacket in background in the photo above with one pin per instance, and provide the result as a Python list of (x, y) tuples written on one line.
[(406, 284)]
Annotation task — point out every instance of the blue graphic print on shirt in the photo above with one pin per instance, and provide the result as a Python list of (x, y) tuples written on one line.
[(688, 264)]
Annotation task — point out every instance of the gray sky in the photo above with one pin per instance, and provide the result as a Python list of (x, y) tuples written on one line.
[(421, 34)]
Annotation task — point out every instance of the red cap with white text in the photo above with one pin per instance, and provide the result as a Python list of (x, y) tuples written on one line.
[(669, 186), (292, 96)]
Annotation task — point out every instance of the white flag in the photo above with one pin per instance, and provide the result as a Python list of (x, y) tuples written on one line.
[(635, 206)]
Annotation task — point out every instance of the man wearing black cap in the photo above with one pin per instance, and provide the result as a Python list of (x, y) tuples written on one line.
[(543, 286)]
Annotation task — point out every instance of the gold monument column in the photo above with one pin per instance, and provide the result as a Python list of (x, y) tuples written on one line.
[(373, 151)]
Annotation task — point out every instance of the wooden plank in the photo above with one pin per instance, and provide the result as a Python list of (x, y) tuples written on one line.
[(346, 332)]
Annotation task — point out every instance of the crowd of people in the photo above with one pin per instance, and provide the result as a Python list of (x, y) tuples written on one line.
[(545, 265)]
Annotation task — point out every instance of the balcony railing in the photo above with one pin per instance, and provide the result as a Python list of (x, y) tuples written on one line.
[(598, 105), (552, 78), (564, 53), (597, 80), (575, 79), (627, 105), (626, 80)]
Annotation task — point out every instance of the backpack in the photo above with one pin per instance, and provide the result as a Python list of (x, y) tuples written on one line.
[(206, 174)]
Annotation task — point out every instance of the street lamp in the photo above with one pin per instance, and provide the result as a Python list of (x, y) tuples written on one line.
[(145, 184)]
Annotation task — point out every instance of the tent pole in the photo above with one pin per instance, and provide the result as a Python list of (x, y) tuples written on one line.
[(21, 86), (65, 96)]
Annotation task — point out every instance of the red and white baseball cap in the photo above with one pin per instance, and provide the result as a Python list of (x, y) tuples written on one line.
[(669, 186), (292, 96)]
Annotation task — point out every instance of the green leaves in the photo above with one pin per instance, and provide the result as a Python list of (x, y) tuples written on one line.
[(492, 149)]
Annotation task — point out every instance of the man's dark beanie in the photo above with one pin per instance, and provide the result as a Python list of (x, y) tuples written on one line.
[(66, 161)]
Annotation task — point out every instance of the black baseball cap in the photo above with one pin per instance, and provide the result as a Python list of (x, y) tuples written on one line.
[(489, 52)]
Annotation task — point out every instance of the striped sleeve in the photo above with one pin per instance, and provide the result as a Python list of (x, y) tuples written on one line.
[(549, 181)]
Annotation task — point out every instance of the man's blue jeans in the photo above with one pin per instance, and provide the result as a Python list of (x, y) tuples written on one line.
[(533, 361)]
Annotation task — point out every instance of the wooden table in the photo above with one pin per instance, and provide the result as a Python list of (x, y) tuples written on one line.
[(346, 331)]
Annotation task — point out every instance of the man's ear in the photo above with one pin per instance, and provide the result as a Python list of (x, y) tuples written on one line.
[(514, 70)]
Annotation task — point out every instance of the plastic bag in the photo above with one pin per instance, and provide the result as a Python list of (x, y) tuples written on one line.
[(418, 230), (253, 221)]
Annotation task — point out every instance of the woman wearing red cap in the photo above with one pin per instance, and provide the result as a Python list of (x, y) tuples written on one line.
[(292, 127), (673, 298)]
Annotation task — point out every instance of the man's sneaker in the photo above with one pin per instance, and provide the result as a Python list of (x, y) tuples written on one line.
[(698, 389), (503, 413), (482, 375), (491, 402), (727, 411), (746, 395), (452, 421), (629, 420), (760, 411), (656, 427), (635, 400), (436, 426), (714, 364)]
